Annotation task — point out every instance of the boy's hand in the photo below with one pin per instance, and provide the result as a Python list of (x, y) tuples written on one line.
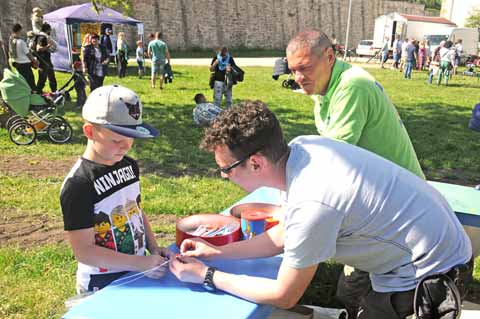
[(153, 261), (164, 252), (197, 247)]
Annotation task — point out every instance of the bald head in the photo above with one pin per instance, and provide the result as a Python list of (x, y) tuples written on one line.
[(315, 41)]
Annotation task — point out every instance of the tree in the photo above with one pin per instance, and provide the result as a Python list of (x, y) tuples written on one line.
[(473, 21), (124, 5)]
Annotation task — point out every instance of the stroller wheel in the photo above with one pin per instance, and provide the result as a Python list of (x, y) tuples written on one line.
[(59, 131), (12, 120), (285, 83), (22, 133)]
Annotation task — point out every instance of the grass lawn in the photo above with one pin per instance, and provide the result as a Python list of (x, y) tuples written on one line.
[(38, 272)]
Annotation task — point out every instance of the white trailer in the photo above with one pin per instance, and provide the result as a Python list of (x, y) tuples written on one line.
[(469, 36), (407, 26)]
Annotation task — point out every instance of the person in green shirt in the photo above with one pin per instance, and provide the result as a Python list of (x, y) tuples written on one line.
[(158, 52), (350, 106)]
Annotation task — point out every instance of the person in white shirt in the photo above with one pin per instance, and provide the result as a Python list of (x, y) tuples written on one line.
[(458, 55), (342, 203), (21, 57), (447, 60)]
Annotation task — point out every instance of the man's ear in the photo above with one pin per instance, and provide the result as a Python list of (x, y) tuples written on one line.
[(330, 55), (257, 161), (88, 130)]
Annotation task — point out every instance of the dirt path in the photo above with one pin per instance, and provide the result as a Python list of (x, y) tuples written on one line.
[(33, 230)]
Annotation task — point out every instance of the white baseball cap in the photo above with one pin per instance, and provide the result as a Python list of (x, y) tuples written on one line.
[(119, 109)]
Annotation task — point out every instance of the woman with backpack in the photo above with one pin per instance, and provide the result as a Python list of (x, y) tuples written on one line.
[(447, 59), (221, 68)]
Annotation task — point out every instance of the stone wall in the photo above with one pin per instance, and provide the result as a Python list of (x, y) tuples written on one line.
[(267, 24)]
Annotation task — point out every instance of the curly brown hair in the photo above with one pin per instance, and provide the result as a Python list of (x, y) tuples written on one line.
[(246, 128)]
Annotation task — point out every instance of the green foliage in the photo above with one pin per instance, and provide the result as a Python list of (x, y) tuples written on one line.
[(433, 4), (126, 6), (473, 21)]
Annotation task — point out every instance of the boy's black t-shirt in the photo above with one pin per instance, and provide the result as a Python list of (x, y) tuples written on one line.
[(107, 199)]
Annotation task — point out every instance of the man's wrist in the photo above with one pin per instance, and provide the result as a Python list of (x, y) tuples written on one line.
[(208, 283)]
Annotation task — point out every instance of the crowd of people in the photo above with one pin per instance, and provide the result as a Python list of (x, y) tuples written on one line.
[(410, 54)]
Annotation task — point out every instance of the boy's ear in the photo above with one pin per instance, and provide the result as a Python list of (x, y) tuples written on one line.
[(88, 130)]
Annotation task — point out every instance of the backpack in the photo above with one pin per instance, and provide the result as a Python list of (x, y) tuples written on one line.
[(475, 120), (238, 74)]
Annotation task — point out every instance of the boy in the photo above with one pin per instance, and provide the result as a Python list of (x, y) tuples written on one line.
[(140, 59), (204, 113), (102, 192), (80, 82)]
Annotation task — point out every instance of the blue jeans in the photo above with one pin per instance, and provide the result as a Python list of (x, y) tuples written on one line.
[(408, 69)]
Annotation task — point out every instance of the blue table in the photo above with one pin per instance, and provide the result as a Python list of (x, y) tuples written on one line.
[(170, 298)]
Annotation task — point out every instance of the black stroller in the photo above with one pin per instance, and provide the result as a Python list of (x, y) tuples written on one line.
[(280, 68)]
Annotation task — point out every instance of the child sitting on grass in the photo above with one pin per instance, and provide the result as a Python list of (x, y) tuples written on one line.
[(204, 112), (100, 197)]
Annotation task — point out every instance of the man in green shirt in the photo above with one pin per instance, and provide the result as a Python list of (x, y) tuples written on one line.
[(352, 107), (349, 104), (158, 52)]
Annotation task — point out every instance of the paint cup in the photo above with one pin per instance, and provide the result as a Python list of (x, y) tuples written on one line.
[(253, 223)]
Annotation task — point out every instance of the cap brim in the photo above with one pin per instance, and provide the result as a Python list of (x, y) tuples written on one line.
[(136, 131)]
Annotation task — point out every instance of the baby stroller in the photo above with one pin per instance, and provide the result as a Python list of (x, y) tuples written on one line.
[(280, 68), (168, 73), (34, 114)]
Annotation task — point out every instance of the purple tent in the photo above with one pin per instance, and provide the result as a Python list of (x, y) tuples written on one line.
[(62, 19)]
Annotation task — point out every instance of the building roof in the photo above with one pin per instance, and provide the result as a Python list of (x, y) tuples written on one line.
[(411, 17)]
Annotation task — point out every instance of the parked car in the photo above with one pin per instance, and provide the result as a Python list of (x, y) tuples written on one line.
[(365, 48)]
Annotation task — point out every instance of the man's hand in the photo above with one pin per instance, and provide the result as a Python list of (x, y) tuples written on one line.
[(188, 269), (197, 247)]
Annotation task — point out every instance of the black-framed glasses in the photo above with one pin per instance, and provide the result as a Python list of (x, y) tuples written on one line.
[(227, 169)]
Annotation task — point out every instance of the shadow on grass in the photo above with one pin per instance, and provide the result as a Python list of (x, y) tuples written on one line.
[(444, 143), (176, 151)]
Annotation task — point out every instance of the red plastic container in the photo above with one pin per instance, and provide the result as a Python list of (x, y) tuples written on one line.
[(190, 223)]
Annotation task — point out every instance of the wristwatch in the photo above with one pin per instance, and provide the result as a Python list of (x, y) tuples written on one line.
[(208, 281)]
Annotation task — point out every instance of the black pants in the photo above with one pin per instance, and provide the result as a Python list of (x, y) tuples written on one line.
[(25, 69), (122, 68), (361, 301), (44, 72), (81, 94), (95, 81)]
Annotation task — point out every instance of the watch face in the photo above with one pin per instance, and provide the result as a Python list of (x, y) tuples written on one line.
[(208, 286)]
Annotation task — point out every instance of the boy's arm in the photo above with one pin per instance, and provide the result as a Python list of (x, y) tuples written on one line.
[(87, 252)]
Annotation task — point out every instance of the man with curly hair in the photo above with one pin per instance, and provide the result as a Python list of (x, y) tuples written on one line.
[(343, 203)]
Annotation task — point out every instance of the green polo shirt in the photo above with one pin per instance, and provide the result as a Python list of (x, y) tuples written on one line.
[(357, 110)]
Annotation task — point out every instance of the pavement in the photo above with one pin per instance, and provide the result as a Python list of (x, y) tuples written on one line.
[(242, 62)]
